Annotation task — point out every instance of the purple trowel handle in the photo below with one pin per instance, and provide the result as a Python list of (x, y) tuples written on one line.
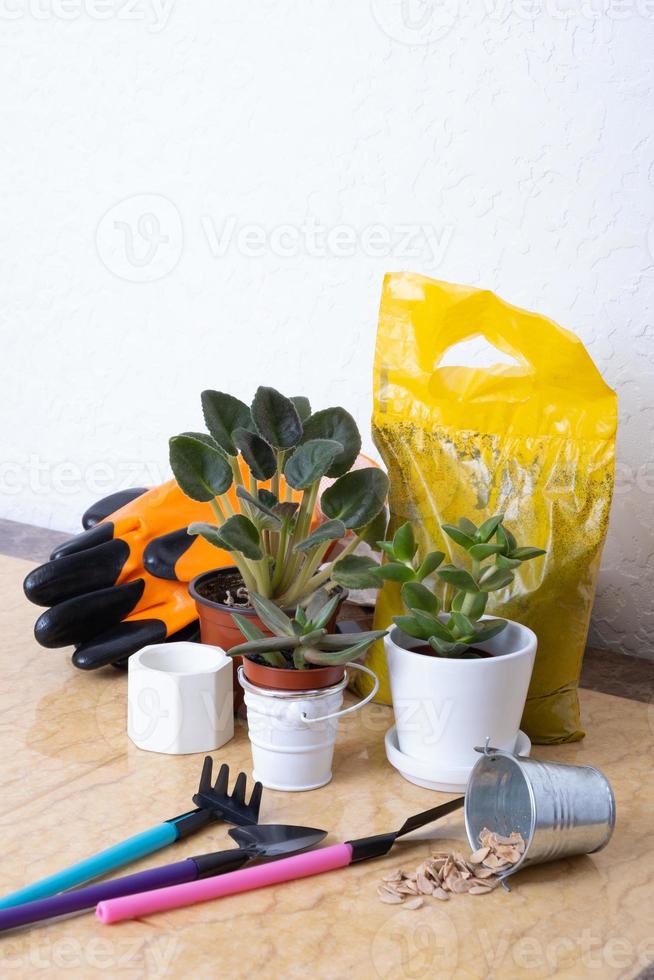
[(87, 898)]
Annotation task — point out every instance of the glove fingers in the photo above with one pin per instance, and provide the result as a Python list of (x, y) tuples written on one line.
[(77, 573), (162, 553), (80, 619), (102, 508), (118, 643), (82, 542), (86, 657)]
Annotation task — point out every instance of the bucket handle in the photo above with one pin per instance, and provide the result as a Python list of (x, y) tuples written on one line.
[(353, 707)]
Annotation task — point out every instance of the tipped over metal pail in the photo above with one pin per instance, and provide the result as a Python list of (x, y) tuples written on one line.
[(559, 810)]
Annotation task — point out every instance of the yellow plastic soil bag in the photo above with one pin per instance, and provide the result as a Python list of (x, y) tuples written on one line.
[(534, 441)]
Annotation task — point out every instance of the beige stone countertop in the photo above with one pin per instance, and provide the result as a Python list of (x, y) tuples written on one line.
[(72, 783)]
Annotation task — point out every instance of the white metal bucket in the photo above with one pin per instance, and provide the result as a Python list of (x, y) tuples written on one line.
[(292, 733)]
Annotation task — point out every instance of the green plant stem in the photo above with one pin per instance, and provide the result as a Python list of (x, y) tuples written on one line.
[(218, 511), (311, 564), (323, 576), (302, 524), (280, 466), (280, 557)]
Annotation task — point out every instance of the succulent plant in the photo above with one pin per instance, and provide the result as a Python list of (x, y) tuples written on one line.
[(271, 539), (304, 639), (491, 568)]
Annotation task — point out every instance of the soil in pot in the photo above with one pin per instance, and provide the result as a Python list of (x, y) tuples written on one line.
[(218, 594), (474, 653)]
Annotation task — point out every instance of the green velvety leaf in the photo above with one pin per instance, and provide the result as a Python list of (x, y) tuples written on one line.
[(249, 630), (404, 543), (285, 510), (488, 628), (241, 535), (446, 648), (272, 616), (256, 452), (356, 572), (394, 571), (222, 415), (201, 471), (461, 538), (417, 596), (210, 533), (337, 424), (356, 498), (329, 531), (430, 564), (203, 437), (458, 577), (495, 578), (481, 551), (276, 418), (526, 554), (375, 530), (310, 462), (267, 498), (488, 528), (302, 406), (273, 522)]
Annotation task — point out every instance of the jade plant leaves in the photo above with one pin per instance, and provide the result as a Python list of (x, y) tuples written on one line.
[(495, 578), (461, 538), (239, 534), (310, 462), (356, 498), (458, 577), (223, 414), (417, 596), (276, 418), (256, 452), (429, 564), (201, 471), (272, 616), (335, 423), (404, 543)]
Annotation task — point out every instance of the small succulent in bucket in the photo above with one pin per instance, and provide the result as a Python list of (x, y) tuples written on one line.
[(448, 616), (277, 552), (303, 641)]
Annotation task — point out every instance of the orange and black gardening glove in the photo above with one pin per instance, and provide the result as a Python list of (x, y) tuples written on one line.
[(122, 582)]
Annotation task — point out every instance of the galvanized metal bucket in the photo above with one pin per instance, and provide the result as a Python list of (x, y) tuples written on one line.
[(559, 810)]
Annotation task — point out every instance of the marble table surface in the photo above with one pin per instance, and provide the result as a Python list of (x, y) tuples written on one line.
[(71, 783)]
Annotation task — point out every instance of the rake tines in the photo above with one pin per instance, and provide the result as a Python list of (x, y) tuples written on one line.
[(232, 808)]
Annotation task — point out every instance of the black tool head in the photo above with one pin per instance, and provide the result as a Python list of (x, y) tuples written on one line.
[(369, 847), (231, 808), (276, 840)]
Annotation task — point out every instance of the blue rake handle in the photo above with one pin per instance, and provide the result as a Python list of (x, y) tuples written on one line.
[(99, 864)]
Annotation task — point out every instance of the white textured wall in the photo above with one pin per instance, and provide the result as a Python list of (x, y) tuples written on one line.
[(273, 159)]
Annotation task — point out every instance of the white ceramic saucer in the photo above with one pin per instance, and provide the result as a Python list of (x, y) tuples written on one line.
[(431, 776)]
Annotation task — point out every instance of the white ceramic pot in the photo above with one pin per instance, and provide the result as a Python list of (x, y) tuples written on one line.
[(180, 698), (445, 707), (292, 733)]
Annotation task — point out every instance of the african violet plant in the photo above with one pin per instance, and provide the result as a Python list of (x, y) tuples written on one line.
[(460, 593), (277, 553), (304, 639)]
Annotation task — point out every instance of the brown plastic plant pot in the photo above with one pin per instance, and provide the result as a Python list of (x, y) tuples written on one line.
[(218, 629), (279, 679)]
